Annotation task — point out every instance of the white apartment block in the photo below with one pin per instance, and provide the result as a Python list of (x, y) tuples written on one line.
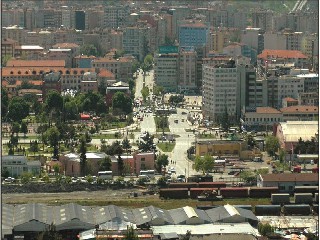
[(289, 86), (166, 71), (187, 71), (219, 91)]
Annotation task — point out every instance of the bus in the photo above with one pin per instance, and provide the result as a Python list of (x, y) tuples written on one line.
[(149, 173), (107, 175)]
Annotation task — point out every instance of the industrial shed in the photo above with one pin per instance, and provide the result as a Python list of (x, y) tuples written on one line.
[(113, 213), (73, 216), (7, 211), (230, 214), (31, 217), (189, 215), (152, 215)]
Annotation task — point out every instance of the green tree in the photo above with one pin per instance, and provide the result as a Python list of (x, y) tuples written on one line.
[(26, 177), (282, 155), (250, 141), (54, 101), (248, 176), (145, 93), (204, 164), (122, 101), (4, 102), (50, 234), (52, 136), (158, 90), (5, 173), (120, 165), (147, 144), (24, 128), (126, 145), (83, 157), (56, 169), (130, 234), (105, 164), (5, 59), (89, 50), (15, 128), (265, 229), (18, 109), (162, 161), (272, 145), (148, 61), (176, 99), (119, 53), (34, 147)]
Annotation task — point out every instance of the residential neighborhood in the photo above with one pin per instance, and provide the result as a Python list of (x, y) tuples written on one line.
[(159, 119)]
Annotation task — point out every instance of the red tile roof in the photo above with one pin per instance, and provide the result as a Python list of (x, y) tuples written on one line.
[(194, 25), (301, 109), (105, 73), (290, 99), (267, 110), (281, 54), (36, 63), (291, 177)]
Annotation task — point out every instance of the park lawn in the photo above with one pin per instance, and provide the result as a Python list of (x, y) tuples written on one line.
[(106, 136), (166, 146)]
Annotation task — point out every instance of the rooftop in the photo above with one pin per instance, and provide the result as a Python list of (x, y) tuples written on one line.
[(267, 53), (267, 110), (301, 109), (291, 177), (36, 63)]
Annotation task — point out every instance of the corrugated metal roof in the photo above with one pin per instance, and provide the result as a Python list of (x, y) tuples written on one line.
[(178, 215)]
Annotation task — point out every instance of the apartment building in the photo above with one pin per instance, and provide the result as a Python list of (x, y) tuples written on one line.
[(187, 71), (134, 42), (193, 34), (8, 47), (166, 70), (120, 67), (289, 86), (116, 39), (263, 19), (15, 33), (254, 38), (220, 85), (42, 38), (116, 16), (309, 99), (29, 52)]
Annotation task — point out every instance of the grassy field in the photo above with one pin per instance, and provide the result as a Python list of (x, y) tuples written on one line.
[(166, 147)]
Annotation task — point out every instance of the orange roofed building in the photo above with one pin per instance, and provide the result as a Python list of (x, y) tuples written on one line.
[(283, 56)]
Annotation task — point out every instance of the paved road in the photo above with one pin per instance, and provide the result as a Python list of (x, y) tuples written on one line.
[(149, 81), (183, 142)]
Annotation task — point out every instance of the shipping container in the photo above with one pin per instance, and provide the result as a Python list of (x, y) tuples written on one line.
[(262, 192), (280, 198), (306, 189), (183, 185), (300, 209), (195, 192), (306, 198), (267, 210), (174, 193), (234, 192), (212, 185)]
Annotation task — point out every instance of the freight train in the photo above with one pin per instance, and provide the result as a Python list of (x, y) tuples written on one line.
[(193, 190)]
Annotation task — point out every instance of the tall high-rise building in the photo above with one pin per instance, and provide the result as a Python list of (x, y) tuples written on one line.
[(80, 20), (134, 42), (187, 71), (193, 34), (116, 16)]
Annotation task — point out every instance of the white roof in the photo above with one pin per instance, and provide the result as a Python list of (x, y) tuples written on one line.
[(190, 212), (204, 229), (31, 47), (95, 155), (308, 75), (293, 130), (60, 49), (231, 210)]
